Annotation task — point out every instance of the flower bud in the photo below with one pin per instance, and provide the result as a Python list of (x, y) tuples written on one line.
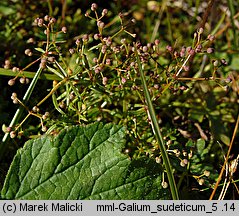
[(64, 29), (101, 24), (164, 184), (104, 12), (11, 82), (105, 80), (94, 7)]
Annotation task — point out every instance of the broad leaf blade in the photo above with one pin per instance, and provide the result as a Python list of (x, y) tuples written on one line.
[(82, 163)]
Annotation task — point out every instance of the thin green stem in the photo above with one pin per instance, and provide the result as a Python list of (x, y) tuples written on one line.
[(232, 11), (20, 110), (156, 129), (28, 74)]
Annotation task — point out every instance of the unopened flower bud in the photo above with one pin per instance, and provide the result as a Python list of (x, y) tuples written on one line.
[(12, 134), (100, 24), (11, 82), (52, 20), (40, 22), (64, 29), (201, 181), (105, 80), (93, 7), (211, 37), (123, 80), (200, 30), (164, 184), (206, 173), (22, 80), (210, 50), (104, 12), (215, 63)]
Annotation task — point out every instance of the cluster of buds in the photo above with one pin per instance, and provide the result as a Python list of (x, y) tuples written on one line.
[(41, 21)]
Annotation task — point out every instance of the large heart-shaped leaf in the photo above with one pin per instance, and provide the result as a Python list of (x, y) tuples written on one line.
[(82, 163)]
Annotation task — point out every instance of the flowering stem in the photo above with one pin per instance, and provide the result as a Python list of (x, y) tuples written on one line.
[(20, 110), (156, 129)]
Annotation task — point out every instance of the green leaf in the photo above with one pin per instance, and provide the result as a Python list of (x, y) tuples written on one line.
[(40, 49), (82, 163)]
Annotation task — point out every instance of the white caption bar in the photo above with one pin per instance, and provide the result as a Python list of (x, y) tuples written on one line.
[(122, 208)]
